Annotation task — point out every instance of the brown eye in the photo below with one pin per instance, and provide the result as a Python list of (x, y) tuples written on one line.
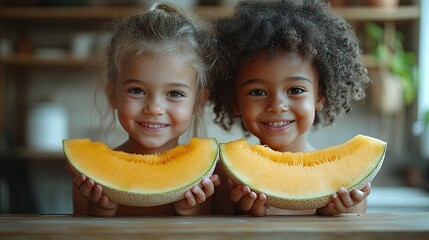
[(257, 92), (295, 91), (136, 91), (175, 94)]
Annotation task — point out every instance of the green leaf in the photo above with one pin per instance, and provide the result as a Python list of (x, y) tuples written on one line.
[(374, 31), (381, 54), (409, 93)]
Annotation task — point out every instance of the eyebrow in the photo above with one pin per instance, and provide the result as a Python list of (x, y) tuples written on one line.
[(259, 80), (173, 84)]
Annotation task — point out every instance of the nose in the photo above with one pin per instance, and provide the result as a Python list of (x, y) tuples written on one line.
[(278, 104), (154, 106)]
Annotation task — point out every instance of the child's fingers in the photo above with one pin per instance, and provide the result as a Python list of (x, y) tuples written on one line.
[(106, 203), (259, 209), (190, 199), (239, 192), (215, 179), (208, 187), (79, 180), (366, 190), (247, 201), (357, 195), (338, 203), (97, 193), (345, 198), (231, 184), (342, 200), (86, 188), (199, 195)]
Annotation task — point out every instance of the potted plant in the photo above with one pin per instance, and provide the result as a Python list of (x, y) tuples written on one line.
[(392, 69)]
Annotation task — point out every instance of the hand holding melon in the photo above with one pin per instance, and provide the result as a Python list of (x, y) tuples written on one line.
[(248, 200), (98, 203), (101, 205), (144, 180), (256, 203), (300, 181), (343, 200), (197, 195)]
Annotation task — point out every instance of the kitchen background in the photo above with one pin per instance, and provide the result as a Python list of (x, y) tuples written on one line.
[(47, 48)]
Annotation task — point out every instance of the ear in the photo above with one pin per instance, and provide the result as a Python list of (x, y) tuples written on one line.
[(320, 102), (236, 108)]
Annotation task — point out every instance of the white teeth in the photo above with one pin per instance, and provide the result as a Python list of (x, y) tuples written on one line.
[(154, 125), (277, 124)]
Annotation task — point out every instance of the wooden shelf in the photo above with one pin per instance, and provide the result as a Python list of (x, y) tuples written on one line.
[(406, 12), (95, 13), (106, 13), (34, 61), (72, 13)]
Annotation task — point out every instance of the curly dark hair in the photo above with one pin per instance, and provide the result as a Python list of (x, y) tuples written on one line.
[(310, 28)]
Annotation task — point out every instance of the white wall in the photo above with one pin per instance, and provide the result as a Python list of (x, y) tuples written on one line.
[(423, 98)]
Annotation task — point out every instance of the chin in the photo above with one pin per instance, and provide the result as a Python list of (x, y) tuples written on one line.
[(278, 143)]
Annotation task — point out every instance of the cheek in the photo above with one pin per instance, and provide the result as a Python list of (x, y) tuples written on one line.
[(183, 113), (246, 105), (306, 112), (127, 109), (250, 111)]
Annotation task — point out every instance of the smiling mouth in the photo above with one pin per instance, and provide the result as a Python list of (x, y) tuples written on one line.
[(154, 126), (277, 124)]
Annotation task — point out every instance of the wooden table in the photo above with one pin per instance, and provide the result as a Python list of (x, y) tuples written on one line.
[(347, 226)]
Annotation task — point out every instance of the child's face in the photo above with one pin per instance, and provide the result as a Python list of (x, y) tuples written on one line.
[(277, 99), (155, 98)]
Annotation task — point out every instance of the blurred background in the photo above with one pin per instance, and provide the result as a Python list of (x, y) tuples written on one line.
[(46, 94)]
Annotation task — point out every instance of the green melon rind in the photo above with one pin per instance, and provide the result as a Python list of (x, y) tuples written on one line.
[(143, 199), (301, 204)]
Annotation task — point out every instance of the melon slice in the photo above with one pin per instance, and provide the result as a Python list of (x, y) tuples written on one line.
[(299, 181), (143, 180)]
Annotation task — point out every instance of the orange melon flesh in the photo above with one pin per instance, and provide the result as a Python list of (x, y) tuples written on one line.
[(143, 180), (299, 180)]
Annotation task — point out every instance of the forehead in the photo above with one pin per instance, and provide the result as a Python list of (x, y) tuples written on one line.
[(282, 65), (154, 67)]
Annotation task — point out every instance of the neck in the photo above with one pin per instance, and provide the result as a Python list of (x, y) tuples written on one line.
[(298, 145)]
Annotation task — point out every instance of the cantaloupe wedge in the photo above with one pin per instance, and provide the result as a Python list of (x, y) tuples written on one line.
[(143, 180), (299, 181)]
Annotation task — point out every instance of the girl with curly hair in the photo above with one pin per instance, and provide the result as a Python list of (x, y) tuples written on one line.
[(291, 65)]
